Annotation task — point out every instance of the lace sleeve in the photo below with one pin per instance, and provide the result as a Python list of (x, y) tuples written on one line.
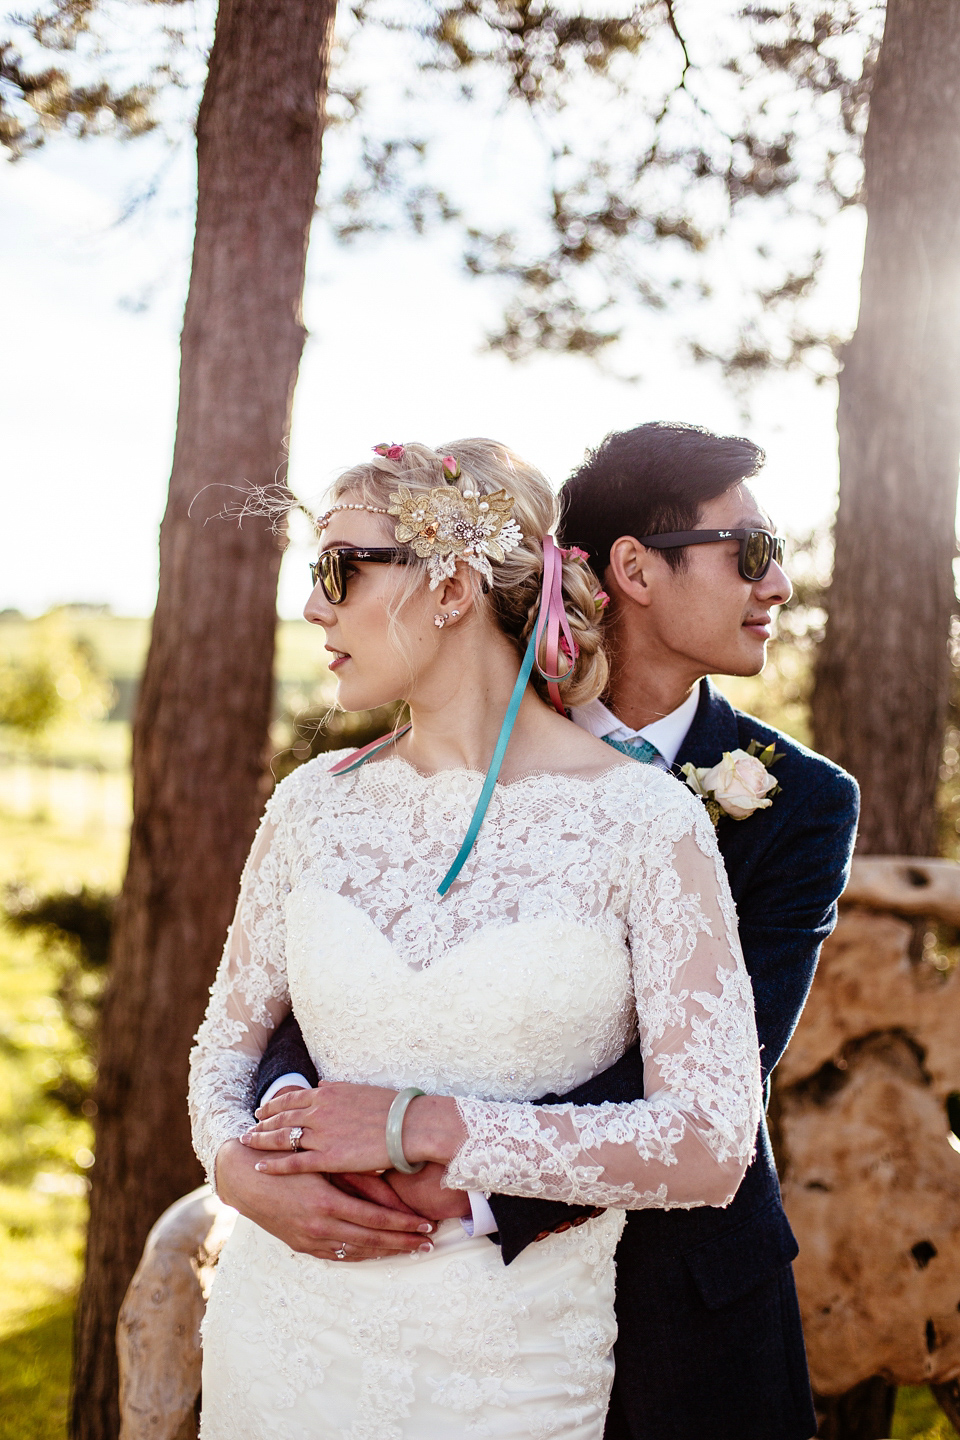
[(248, 999), (688, 1142)]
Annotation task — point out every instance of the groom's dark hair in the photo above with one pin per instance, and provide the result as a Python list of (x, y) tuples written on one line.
[(650, 481)]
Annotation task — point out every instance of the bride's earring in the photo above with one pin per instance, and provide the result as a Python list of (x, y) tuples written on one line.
[(440, 620)]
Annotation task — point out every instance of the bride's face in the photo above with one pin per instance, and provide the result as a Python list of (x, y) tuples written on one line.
[(374, 661)]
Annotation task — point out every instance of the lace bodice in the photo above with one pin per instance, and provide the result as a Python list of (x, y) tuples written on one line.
[(590, 911)]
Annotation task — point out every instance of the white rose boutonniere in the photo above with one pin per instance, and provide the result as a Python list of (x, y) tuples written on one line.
[(740, 784)]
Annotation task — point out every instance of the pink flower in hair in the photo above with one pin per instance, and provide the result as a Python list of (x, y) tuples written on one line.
[(601, 600), (389, 452), (566, 649), (575, 553), (451, 466)]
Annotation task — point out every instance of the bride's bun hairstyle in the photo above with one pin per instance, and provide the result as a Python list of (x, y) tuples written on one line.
[(511, 506)]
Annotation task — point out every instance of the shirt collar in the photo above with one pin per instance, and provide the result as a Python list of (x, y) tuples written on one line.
[(667, 733)]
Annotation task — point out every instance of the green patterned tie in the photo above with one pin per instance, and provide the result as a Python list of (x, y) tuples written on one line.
[(637, 749)]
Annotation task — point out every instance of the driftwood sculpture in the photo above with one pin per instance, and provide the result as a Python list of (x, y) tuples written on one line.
[(869, 1163), (158, 1333)]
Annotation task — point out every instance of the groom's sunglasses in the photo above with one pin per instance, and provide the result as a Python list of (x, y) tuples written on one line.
[(758, 548), (331, 568)]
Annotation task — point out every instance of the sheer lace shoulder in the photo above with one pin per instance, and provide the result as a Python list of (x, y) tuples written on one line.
[(249, 996), (688, 1142)]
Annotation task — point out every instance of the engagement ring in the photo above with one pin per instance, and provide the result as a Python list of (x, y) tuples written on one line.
[(296, 1135), (341, 1252)]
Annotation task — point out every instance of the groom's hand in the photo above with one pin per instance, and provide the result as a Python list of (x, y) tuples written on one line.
[(312, 1216), (422, 1193)]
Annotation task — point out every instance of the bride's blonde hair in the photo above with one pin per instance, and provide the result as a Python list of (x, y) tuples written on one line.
[(512, 599)]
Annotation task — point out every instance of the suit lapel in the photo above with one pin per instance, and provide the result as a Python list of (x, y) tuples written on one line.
[(713, 731)]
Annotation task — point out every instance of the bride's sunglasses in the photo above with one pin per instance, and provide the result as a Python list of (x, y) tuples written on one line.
[(331, 568), (758, 548)]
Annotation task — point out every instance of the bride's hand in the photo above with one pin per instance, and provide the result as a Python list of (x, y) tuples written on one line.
[(344, 1129)]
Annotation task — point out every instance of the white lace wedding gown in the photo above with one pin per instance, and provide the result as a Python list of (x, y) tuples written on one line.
[(590, 910)]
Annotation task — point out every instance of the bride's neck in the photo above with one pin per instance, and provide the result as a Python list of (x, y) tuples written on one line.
[(457, 709)]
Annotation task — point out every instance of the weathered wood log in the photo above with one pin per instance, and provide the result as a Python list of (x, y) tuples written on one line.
[(904, 885), (870, 1168), (158, 1332)]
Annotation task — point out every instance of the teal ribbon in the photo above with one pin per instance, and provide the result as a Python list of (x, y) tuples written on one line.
[(500, 751)]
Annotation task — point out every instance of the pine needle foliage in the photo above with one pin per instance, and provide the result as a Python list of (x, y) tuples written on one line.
[(692, 154)]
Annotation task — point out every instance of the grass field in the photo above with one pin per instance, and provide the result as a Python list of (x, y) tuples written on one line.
[(63, 823), (50, 843)]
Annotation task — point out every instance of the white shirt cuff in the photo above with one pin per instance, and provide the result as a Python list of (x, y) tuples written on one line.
[(293, 1079), (482, 1221)]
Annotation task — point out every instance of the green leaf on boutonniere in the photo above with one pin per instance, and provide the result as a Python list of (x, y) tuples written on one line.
[(768, 755)]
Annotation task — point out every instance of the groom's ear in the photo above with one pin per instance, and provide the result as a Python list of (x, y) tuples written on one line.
[(632, 571)]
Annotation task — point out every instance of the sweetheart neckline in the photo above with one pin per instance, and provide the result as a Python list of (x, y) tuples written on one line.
[(307, 886)]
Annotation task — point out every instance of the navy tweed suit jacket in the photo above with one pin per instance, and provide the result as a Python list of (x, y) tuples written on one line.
[(710, 1344)]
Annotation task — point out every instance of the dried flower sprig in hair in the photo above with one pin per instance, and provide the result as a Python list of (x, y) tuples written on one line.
[(389, 452), (263, 502)]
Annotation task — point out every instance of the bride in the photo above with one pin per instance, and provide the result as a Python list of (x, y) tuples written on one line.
[(455, 947)]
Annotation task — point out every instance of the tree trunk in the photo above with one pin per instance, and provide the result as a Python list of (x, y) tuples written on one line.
[(883, 672), (947, 1396), (204, 708), (881, 695), (863, 1413)]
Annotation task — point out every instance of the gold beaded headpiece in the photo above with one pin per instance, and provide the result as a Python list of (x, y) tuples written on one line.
[(444, 524)]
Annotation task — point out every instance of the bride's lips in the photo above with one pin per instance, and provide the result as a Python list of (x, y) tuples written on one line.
[(337, 657), (758, 625)]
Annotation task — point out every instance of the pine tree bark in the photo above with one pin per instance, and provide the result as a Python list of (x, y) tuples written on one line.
[(883, 671), (204, 708), (863, 1413), (881, 693)]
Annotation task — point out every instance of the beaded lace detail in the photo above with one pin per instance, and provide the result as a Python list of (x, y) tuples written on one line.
[(590, 911), (455, 1346)]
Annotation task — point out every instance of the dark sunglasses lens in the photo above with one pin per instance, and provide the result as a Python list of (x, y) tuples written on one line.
[(757, 554), (331, 576)]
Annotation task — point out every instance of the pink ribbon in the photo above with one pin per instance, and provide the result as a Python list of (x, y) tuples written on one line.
[(352, 762), (552, 621)]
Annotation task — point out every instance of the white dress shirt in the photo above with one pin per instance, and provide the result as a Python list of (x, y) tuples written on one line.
[(667, 735)]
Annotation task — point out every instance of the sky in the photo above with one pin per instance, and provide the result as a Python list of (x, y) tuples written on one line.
[(89, 374)]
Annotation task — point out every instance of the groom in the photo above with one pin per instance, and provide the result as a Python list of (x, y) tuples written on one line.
[(710, 1344)]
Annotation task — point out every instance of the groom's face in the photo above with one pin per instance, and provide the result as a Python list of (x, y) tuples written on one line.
[(705, 613)]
